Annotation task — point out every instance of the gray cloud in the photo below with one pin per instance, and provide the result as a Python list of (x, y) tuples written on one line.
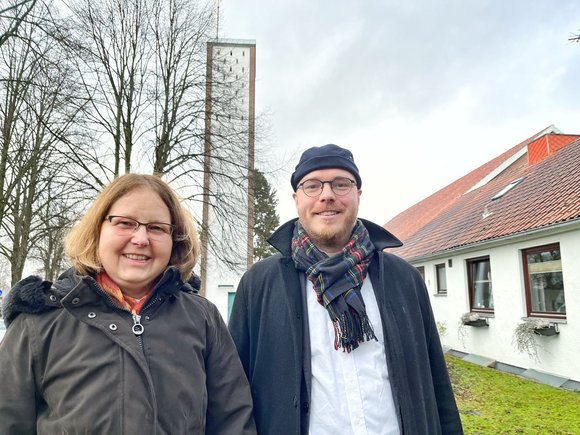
[(445, 84)]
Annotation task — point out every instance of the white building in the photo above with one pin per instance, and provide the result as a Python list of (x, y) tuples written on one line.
[(502, 243), (229, 148)]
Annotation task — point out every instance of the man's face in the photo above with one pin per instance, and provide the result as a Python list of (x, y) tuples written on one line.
[(328, 218)]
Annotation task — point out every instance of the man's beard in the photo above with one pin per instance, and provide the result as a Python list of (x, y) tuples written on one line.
[(331, 236)]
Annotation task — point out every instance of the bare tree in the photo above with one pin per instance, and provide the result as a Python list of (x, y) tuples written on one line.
[(12, 16), (144, 94), (34, 115), (4, 277), (118, 86), (110, 45), (55, 218), (180, 29)]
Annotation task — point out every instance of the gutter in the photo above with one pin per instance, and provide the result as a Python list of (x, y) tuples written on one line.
[(500, 241)]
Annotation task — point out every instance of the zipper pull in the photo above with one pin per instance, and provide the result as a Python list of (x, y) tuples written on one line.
[(137, 327)]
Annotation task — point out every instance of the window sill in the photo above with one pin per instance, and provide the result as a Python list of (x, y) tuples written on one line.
[(484, 314), (438, 295), (549, 319)]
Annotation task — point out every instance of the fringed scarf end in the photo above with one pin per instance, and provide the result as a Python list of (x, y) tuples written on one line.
[(350, 329)]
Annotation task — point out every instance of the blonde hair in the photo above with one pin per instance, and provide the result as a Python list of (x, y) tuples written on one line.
[(82, 241)]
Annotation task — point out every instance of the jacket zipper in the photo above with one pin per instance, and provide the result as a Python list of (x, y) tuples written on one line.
[(137, 327)]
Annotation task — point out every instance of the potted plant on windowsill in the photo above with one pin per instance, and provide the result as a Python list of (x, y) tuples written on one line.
[(524, 335), (469, 319), (547, 330), (474, 319)]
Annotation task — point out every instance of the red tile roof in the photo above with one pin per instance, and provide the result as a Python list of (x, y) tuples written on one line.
[(547, 145), (454, 216)]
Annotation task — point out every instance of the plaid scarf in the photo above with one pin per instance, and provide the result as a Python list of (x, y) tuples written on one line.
[(337, 281)]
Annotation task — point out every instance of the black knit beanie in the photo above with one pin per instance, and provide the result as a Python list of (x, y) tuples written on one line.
[(325, 157)]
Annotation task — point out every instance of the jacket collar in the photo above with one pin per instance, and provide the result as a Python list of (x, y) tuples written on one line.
[(34, 295), (281, 239)]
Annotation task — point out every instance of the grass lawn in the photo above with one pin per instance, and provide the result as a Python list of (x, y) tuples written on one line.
[(494, 402)]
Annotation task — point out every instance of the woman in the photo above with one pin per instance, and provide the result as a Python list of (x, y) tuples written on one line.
[(121, 343)]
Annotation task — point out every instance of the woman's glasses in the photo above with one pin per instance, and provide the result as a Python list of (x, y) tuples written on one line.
[(127, 226)]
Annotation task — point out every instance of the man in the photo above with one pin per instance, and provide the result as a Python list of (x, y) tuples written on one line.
[(335, 335)]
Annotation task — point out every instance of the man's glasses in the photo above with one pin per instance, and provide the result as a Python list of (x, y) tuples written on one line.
[(340, 186), (127, 226)]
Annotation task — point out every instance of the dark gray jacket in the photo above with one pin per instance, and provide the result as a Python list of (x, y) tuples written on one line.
[(70, 363), (268, 327)]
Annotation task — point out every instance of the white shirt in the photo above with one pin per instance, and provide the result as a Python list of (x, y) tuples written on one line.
[(351, 392)]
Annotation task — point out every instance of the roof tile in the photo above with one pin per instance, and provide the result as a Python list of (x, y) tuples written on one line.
[(455, 217)]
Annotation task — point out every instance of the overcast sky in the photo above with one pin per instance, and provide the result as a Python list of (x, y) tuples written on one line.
[(421, 92)]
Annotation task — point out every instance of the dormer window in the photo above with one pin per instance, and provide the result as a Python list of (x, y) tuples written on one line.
[(506, 189)]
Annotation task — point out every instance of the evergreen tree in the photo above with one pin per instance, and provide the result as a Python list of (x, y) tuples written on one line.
[(266, 220)]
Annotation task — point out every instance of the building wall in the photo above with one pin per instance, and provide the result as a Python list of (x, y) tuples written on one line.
[(559, 354), (231, 99), (219, 285)]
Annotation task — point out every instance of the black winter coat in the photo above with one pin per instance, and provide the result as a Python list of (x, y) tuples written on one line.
[(70, 363), (267, 324)]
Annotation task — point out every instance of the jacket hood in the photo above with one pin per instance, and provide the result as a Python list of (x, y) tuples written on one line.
[(33, 295), (381, 238)]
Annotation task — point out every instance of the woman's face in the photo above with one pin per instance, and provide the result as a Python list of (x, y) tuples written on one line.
[(134, 260)]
